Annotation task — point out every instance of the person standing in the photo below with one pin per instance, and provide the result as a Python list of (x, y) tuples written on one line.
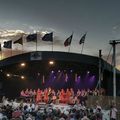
[(113, 112)]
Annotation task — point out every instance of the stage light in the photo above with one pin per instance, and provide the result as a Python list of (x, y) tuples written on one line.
[(79, 77), (52, 71), (71, 70), (58, 70), (22, 64), (8, 75), (88, 72), (38, 74), (51, 62), (22, 77)]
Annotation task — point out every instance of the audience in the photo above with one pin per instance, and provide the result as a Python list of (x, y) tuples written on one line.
[(42, 110)]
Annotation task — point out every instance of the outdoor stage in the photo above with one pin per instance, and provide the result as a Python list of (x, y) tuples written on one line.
[(69, 70)]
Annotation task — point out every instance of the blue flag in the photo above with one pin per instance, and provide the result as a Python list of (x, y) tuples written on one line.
[(48, 37), (32, 38), (8, 44)]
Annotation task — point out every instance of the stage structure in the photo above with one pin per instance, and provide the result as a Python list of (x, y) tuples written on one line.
[(43, 69)]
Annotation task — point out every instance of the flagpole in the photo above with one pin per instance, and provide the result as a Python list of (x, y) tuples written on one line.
[(69, 48), (52, 46), (52, 41), (82, 48), (0, 51), (1, 55), (11, 52), (36, 45), (11, 49), (70, 43), (82, 40), (36, 42), (22, 43), (22, 48)]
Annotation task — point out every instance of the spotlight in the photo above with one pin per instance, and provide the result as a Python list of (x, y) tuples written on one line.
[(22, 77), (79, 77), (88, 72), (22, 64), (38, 74), (8, 75), (51, 62), (52, 71), (59, 71)]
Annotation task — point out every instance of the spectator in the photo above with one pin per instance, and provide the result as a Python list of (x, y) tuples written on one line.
[(113, 112)]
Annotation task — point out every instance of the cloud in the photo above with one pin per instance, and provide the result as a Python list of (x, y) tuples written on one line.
[(46, 46), (8, 34), (58, 41), (115, 27)]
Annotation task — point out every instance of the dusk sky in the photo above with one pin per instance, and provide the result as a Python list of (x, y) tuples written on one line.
[(99, 18)]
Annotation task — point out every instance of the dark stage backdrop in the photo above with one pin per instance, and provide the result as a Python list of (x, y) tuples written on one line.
[(61, 75)]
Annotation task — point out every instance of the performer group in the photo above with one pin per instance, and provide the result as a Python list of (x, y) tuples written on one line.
[(49, 95)]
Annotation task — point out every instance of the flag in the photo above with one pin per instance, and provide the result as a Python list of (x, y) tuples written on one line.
[(8, 44), (68, 41), (0, 47), (75, 77), (43, 80), (19, 41), (32, 38), (48, 37), (82, 40), (66, 77)]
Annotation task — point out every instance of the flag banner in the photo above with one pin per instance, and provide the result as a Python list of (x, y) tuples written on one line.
[(82, 40), (19, 41), (0, 47), (48, 37), (8, 44), (66, 77), (43, 79), (31, 38), (36, 56), (68, 41), (75, 77)]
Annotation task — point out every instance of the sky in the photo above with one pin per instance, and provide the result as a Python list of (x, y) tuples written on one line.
[(99, 18)]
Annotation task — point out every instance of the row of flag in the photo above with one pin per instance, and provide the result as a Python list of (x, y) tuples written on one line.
[(46, 37)]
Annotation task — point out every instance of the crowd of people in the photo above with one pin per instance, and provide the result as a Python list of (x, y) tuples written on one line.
[(14, 110), (34, 106)]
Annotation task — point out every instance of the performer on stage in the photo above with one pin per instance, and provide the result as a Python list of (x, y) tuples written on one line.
[(46, 95), (38, 96)]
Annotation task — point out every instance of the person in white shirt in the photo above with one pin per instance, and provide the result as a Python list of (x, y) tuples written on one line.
[(113, 113), (15, 104), (85, 117)]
